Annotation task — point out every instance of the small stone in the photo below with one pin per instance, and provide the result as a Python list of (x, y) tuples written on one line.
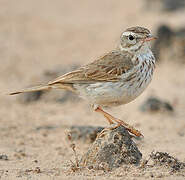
[(111, 149), (30, 97), (85, 133), (4, 157), (164, 159), (170, 45), (37, 170), (153, 104), (164, 36)]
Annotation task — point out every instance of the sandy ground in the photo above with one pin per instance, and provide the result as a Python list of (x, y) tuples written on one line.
[(39, 35)]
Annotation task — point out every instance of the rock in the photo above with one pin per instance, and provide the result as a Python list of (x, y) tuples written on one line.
[(164, 36), (164, 159), (30, 97), (4, 157), (153, 104), (170, 44), (85, 133), (113, 148)]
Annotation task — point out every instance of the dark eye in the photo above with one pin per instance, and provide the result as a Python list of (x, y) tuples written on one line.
[(131, 37)]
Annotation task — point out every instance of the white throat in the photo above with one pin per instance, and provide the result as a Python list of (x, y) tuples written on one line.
[(137, 48)]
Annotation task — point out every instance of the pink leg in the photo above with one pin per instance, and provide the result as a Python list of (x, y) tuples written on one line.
[(111, 120)]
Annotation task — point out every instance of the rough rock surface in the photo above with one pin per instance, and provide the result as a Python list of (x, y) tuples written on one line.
[(164, 159), (111, 149)]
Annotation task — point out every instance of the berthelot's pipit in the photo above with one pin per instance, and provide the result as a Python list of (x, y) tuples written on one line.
[(116, 78)]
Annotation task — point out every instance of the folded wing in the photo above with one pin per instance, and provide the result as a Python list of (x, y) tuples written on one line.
[(109, 67)]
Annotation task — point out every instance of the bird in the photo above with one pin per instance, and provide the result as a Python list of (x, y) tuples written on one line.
[(116, 78)]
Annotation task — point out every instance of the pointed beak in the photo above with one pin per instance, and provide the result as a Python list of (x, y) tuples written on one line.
[(150, 38)]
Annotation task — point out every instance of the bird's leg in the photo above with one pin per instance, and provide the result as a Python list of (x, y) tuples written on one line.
[(98, 109), (111, 120), (106, 115)]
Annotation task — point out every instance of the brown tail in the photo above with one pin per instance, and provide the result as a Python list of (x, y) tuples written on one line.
[(32, 89)]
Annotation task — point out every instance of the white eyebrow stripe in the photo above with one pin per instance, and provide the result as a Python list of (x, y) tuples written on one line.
[(127, 33)]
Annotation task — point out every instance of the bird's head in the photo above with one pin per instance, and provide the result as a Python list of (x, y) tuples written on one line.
[(134, 38)]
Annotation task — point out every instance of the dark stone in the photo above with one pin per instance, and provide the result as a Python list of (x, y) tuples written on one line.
[(4, 157), (85, 133), (111, 149), (170, 44), (164, 159), (30, 97), (153, 104), (164, 39)]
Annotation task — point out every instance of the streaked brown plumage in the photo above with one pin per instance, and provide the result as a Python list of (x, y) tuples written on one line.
[(116, 78)]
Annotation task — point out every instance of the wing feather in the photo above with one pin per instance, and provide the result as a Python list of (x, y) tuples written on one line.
[(109, 67)]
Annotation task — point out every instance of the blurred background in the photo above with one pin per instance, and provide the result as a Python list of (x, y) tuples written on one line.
[(41, 35), (40, 40)]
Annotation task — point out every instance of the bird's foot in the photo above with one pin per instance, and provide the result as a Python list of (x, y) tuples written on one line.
[(131, 129), (119, 122)]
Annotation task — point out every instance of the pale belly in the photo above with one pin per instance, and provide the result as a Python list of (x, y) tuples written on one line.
[(111, 93)]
